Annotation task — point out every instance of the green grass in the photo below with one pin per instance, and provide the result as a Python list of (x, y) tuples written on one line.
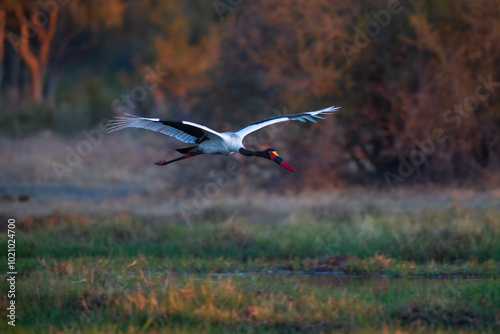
[(131, 275), (101, 296), (453, 237)]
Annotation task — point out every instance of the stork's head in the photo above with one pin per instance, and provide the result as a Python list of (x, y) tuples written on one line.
[(271, 154)]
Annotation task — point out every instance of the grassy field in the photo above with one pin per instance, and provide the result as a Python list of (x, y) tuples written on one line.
[(127, 274)]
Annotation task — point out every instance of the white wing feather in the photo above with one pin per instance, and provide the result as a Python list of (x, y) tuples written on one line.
[(155, 124), (303, 117)]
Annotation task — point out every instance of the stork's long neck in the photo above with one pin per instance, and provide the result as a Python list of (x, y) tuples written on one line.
[(248, 153)]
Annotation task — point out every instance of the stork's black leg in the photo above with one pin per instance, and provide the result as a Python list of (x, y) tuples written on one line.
[(166, 162)]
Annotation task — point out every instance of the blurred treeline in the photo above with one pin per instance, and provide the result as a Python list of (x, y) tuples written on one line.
[(67, 64)]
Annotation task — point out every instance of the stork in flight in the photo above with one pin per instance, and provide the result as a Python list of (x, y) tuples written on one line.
[(210, 141)]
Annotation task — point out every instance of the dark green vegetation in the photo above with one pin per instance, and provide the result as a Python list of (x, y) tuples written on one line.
[(127, 274), (450, 236), (103, 296)]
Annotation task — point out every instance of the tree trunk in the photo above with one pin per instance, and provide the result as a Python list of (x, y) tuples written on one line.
[(51, 82), (45, 36), (36, 63), (28, 57), (36, 83)]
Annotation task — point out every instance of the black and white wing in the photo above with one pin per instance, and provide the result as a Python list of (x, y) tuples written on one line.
[(303, 117), (185, 131)]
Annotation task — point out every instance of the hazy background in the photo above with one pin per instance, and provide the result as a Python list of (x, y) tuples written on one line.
[(396, 197), (418, 82)]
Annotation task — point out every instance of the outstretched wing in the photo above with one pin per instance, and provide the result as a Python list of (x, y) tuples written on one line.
[(185, 131), (303, 117)]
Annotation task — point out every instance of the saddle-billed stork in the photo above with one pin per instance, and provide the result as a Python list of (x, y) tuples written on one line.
[(210, 141)]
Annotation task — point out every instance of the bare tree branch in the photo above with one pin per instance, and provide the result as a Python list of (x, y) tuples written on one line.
[(29, 58), (2, 49), (45, 36), (2, 36)]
